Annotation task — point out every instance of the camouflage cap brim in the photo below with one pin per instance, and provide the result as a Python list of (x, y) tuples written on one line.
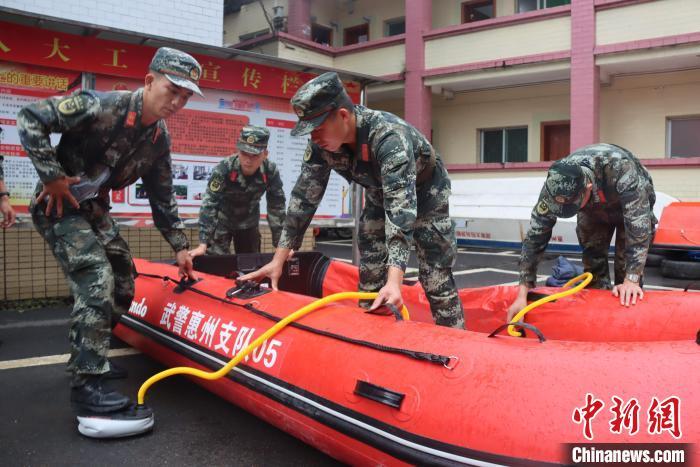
[(249, 148), (304, 127), (184, 83), (562, 210)]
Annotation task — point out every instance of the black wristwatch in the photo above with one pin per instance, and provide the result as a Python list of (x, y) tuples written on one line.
[(4, 193)]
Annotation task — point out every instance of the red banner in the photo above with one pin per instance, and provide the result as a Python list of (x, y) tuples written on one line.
[(33, 80), (42, 47)]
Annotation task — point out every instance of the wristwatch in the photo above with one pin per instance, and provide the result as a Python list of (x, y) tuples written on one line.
[(632, 278), (4, 193)]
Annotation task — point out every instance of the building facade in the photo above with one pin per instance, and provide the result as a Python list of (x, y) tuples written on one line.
[(197, 21), (504, 87)]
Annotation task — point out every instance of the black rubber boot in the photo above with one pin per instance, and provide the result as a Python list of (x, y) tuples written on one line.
[(116, 371), (94, 397)]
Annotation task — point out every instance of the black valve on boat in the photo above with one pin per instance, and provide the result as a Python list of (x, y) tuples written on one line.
[(184, 284), (246, 290)]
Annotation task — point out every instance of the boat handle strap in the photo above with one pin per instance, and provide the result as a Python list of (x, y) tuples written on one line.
[(379, 394), (583, 280), (392, 308)]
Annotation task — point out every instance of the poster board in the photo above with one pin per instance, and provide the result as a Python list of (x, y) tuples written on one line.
[(203, 133), (40, 62), (21, 85), (206, 131)]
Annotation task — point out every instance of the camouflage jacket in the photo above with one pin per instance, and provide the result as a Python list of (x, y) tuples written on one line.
[(104, 130), (621, 184), (232, 200), (389, 153)]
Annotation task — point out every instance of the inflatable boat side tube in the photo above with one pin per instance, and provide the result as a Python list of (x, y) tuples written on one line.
[(403, 445)]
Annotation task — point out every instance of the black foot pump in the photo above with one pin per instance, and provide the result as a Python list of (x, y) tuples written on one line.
[(106, 413), (133, 420)]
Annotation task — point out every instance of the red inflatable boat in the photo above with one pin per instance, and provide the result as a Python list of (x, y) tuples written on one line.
[(374, 389)]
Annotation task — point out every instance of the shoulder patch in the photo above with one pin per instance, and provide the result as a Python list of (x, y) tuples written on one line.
[(216, 183), (74, 105), (307, 153), (542, 208)]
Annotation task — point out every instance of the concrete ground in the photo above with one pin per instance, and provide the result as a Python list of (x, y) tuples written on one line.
[(193, 427)]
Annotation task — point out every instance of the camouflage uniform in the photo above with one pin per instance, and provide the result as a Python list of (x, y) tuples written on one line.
[(406, 196), (231, 207), (622, 199), (104, 143)]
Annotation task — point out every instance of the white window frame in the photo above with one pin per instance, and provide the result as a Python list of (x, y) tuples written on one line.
[(669, 133), (541, 5), (504, 146)]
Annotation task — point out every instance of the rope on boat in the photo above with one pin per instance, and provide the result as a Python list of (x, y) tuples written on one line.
[(447, 361)]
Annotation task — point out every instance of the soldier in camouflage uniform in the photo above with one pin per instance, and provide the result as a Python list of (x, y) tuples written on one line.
[(109, 140), (231, 207), (406, 196), (609, 190), (8, 214)]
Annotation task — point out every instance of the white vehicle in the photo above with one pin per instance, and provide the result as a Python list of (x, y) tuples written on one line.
[(495, 213)]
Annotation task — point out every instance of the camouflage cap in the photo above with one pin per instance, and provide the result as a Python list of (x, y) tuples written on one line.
[(315, 100), (564, 188), (180, 68), (253, 139)]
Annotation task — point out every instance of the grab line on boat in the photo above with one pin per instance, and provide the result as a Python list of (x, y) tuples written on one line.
[(318, 406)]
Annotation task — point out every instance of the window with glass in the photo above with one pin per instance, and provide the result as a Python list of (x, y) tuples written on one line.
[(682, 137), (394, 27), (321, 34), (503, 145), (478, 10), (531, 5), (356, 34)]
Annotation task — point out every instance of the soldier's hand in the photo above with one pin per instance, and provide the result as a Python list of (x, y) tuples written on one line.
[(515, 308), (184, 263), (518, 304), (55, 192), (389, 294), (273, 270), (200, 250), (628, 292), (8, 214)]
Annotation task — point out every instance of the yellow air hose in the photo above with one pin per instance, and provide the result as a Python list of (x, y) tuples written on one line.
[(585, 279), (184, 370)]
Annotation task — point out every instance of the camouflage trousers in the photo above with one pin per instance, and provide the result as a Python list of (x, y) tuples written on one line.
[(595, 231), (435, 242), (244, 241), (100, 272)]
